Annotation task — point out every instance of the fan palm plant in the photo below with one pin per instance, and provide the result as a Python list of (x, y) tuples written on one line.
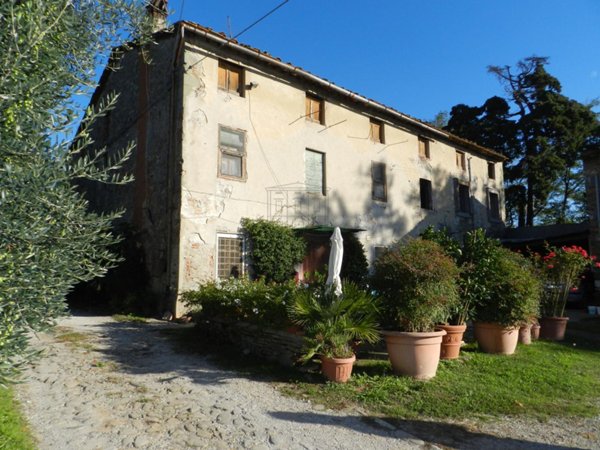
[(331, 323)]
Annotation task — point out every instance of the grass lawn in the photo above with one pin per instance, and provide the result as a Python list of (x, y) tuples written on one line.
[(13, 429), (542, 380)]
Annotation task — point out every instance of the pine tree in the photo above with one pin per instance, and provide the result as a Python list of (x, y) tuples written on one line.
[(543, 134)]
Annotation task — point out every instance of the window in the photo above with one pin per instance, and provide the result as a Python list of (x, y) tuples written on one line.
[(376, 131), (424, 148), (231, 78), (426, 194), (232, 153), (462, 197), (491, 171), (379, 185), (461, 160), (314, 171), (230, 252), (493, 205), (315, 109)]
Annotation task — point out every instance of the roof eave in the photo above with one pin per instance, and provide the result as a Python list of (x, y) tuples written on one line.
[(256, 53)]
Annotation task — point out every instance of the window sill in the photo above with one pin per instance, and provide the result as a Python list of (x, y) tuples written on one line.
[(235, 93), (232, 178)]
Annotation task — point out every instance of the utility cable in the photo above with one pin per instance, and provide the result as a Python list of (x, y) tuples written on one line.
[(253, 24)]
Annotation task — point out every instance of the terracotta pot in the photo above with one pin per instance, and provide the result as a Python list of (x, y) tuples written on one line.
[(553, 328), (525, 334), (495, 338), (414, 355), (535, 331), (452, 341), (337, 369)]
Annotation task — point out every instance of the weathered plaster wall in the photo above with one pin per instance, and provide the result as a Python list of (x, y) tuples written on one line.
[(277, 136), (143, 115)]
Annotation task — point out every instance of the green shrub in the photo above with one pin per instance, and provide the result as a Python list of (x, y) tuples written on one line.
[(242, 300), (513, 290), (418, 283), (355, 266), (274, 249)]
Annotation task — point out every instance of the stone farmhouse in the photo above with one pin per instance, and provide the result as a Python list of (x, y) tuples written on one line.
[(225, 131)]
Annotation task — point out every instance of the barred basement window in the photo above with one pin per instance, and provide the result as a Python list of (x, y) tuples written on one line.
[(229, 256)]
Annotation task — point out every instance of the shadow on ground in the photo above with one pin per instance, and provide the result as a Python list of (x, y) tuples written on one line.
[(437, 433), (162, 347)]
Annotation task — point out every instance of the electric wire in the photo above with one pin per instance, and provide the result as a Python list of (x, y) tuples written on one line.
[(253, 24)]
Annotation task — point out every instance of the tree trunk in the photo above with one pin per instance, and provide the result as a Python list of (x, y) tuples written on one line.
[(529, 212)]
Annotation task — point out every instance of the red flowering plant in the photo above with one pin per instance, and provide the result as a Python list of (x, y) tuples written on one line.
[(561, 269)]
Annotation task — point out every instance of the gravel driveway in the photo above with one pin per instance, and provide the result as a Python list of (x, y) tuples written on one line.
[(125, 387)]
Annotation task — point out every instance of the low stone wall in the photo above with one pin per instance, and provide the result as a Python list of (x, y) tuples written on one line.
[(273, 345)]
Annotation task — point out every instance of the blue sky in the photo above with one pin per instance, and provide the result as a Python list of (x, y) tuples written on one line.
[(420, 57)]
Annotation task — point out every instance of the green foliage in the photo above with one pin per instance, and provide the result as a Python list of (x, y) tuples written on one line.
[(543, 134), (355, 266), (442, 236), (13, 429), (332, 323), (275, 249), (513, 296), (418, 283), (49, 50), (478, 264), (257, 301)]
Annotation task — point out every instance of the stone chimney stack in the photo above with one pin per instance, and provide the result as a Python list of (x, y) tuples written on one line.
[(157, 10)]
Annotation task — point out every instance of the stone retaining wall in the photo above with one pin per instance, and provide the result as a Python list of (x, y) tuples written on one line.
[(270, 344)]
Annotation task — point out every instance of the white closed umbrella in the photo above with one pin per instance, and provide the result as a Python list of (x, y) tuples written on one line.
[(335, 262)]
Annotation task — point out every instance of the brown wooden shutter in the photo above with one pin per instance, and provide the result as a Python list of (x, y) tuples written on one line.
[(234, 80), (222, 77)]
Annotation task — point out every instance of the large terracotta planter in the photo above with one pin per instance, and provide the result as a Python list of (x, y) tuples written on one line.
[(337, 369), (495, 338), (414, 355), (452, 341), (535, 331), (553, 328), (525, 334)]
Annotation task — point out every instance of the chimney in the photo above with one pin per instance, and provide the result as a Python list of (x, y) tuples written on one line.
[(157, 10)]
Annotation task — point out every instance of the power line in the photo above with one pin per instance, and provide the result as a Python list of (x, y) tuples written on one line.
[(253, 24), (261, 19)]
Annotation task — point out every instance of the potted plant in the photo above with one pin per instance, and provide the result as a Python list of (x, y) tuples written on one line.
[(456, 323), (332, 324), (510, 299), (560, 269), (418, 284)]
